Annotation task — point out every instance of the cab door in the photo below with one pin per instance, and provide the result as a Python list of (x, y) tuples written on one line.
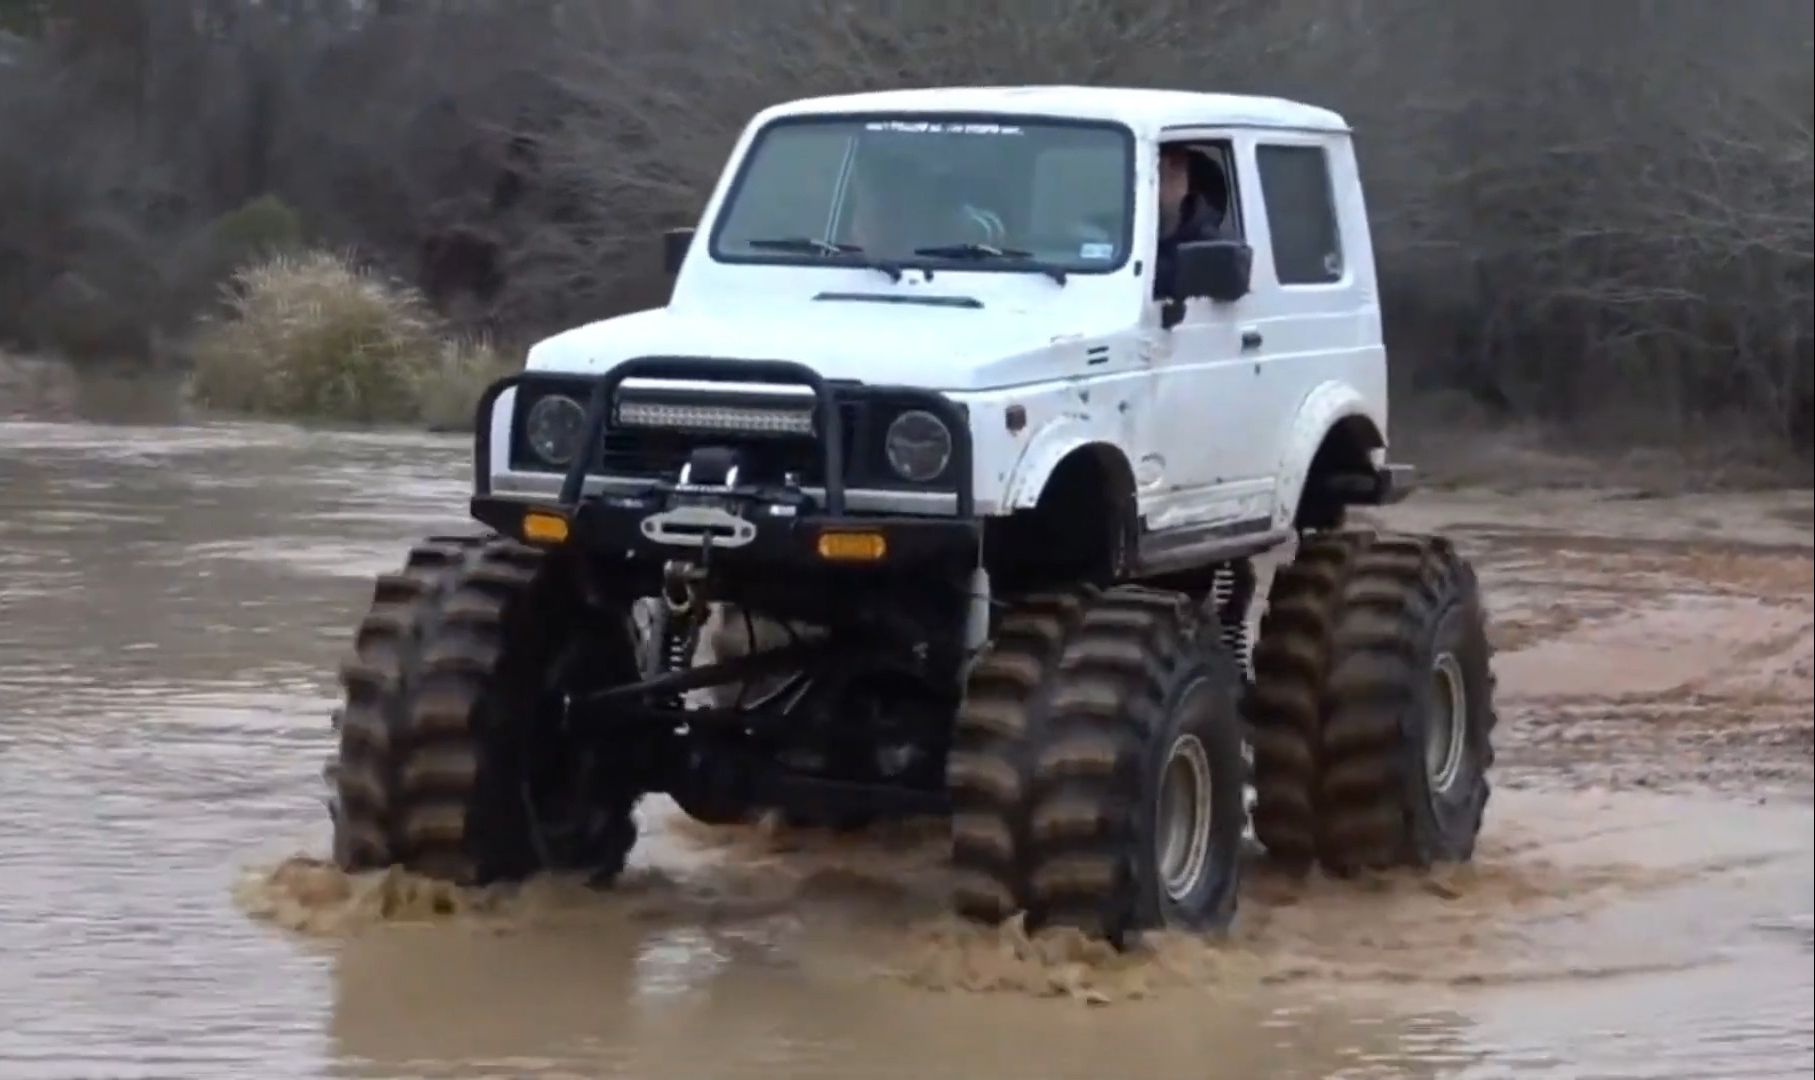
[(1214, 458), (1313, 293)]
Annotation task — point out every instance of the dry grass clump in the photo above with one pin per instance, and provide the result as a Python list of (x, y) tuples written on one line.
[(314, 336)]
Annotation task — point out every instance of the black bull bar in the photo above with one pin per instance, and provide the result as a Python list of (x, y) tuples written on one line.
[(828, 396)]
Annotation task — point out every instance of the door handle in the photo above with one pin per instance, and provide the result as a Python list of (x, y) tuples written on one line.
[(1251, 339)]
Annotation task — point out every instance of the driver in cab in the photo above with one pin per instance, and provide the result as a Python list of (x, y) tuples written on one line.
[(1187, 213)]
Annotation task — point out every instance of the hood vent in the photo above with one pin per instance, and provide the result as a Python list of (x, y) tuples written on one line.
[(902, 298)]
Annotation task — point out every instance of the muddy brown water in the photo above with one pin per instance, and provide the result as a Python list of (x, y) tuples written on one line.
[(173, 600)]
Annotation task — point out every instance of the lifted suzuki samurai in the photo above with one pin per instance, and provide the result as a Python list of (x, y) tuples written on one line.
[(919, 407)]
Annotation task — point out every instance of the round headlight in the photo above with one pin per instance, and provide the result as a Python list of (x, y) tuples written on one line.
[(919, 446), (555, 426)]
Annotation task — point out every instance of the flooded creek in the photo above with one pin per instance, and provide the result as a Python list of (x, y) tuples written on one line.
[(173, 601)]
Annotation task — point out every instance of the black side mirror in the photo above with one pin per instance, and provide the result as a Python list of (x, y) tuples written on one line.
[(1212, 269), (675, 243)]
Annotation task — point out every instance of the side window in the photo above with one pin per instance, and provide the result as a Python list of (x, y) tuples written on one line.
[(1301, 214), (1212, 178)]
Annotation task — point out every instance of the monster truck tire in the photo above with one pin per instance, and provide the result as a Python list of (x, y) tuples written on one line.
[(1086, 703), (453, 758), (1407, 738), (1369, 645), (1284, 707)]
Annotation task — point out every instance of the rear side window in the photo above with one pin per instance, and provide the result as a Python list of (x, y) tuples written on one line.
[(1301, 214)]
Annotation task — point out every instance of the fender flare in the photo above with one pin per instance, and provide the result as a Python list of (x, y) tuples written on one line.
[(1057, 440), (1092, 486), (498, 435), (1327, 405)]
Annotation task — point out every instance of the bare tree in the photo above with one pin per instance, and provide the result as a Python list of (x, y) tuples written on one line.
[(1579, 208)]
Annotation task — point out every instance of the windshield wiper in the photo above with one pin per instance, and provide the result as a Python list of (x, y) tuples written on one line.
[(810, 245), (983, 252)]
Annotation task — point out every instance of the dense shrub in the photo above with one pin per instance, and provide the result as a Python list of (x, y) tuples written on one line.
[(448, 393)]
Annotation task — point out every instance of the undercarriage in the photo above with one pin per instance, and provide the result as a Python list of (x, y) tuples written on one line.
[(838, 724)]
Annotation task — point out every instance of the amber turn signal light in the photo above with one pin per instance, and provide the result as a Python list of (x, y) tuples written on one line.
[(852, 546), (541, 527)]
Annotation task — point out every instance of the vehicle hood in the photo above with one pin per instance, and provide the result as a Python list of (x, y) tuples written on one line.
[(908, 344)]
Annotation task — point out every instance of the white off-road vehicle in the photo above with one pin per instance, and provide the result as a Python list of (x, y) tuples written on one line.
[(924, 405)]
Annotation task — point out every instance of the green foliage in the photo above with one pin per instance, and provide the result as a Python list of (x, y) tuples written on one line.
[(265, 226), (208, 256)]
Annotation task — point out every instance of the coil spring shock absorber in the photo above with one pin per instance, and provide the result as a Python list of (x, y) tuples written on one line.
[(681, 616), (679, 637), (1231, 593)]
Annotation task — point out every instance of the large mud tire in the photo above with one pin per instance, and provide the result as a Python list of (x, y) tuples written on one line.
[(1364, 637), (1083, 704), (454, 760), (1407, 743), (1285, 708)]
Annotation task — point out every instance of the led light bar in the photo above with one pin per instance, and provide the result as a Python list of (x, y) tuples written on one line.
[(752, 420)]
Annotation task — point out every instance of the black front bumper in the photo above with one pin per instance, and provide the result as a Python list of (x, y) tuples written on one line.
[(612, 528), (717, 520)]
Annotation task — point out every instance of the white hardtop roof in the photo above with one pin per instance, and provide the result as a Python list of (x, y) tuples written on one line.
[(1146, 111)]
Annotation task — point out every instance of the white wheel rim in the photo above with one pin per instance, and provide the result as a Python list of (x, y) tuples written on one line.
[(1182, 838), (1446, 727)]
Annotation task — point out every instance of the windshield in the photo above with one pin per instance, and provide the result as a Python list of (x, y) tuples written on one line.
[(915, 191)]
